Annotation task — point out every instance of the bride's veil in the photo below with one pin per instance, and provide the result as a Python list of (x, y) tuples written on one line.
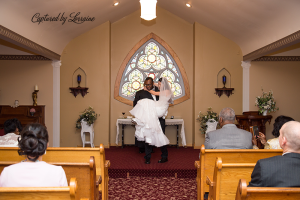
[(166, 91)]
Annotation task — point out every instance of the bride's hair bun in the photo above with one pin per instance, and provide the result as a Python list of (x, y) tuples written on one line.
[(33, 142)]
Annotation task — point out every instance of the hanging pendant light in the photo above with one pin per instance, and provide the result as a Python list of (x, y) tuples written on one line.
[(148, 9)]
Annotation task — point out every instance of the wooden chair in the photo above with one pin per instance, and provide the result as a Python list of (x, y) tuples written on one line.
[(225, 178), (69, 155), (205, 166), (265, 193), (85, 174), (51, 193)]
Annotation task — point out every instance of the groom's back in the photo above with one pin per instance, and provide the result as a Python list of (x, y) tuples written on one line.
[(141, 94)]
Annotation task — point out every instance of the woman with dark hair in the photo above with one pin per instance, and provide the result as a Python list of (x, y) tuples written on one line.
[(33, 172), (12, 129), (273, 143)]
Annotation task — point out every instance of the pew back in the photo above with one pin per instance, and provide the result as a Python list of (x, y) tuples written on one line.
[(265, 193), (85, 174), (205, 166), (70, 155), (29, 193), (226, 176)]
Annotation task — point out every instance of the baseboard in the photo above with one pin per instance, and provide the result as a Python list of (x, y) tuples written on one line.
[(197, 147), (88, 145)]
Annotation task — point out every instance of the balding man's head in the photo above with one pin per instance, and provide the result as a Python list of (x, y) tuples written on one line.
[(289, 137), (226, 116)]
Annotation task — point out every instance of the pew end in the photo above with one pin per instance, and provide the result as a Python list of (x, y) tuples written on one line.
[(265, 193)]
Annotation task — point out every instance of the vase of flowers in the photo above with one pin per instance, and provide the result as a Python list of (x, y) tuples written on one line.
[(88, 115), (32, 111), (266, 103), (208, 121)]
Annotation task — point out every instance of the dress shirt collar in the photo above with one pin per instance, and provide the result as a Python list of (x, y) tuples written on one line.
[(286, 153), (229, 125)]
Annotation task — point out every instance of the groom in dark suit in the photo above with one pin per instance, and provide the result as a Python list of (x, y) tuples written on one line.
[(281, 171), (145, 147)]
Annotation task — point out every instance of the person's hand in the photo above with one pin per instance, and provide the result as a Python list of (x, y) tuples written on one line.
[(262, 138), (254, 140)]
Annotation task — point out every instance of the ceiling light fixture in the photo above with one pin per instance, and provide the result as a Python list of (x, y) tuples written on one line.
[(117, 3), (148, 9), (188, 5)]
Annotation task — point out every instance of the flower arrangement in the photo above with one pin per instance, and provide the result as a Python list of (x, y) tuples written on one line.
[(32, 110), (210, 116), (266, 102), (88, 115)]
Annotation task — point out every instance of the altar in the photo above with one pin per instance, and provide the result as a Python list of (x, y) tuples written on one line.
[(169, 122)]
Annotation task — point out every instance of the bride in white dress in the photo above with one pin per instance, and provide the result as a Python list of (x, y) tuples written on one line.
[(148, 111)]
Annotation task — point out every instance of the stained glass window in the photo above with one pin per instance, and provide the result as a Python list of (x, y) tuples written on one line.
[(153, 60)]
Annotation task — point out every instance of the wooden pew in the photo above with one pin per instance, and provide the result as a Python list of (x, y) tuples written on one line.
[(85, 174), (265, 193), (51, 193), (225, 178), (70, 155), (205, 166)]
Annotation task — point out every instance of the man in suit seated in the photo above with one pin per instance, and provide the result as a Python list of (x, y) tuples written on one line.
[(281, 171), (229, 136)]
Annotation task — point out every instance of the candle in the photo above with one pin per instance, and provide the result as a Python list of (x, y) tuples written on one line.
[(36, 87), (224, 80), (78, 77)]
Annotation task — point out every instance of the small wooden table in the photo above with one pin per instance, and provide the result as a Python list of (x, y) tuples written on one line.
[(169, 122), (252, 118)]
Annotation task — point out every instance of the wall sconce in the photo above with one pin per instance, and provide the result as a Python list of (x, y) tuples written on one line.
[(81, 76), (227, 91), (148, 9)]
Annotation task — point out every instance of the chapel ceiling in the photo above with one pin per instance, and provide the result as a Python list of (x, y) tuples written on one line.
[(251, 24)]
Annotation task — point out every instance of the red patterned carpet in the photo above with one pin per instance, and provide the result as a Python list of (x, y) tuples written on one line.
[(129, 160), (142, 188)]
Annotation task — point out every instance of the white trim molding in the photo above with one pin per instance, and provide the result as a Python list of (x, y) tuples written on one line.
[(56, 102), (246, 82)]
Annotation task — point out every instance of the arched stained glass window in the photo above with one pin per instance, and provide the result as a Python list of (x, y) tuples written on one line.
[(151, 59)]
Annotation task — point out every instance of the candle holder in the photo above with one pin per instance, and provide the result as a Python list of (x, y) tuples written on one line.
[(78, 80), (224, 80), (34, 97)]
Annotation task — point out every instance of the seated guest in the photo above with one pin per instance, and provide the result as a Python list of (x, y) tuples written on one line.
[(33, 172), (272, 143), (281, 171), (12, 129), (229, 136)]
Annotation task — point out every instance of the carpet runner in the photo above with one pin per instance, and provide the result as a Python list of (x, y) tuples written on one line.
[(145, 188), (128, 161)]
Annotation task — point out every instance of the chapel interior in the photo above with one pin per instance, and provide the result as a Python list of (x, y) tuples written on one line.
[(257, 42)]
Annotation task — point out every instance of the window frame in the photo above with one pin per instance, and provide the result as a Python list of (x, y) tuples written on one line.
[(133, 52)]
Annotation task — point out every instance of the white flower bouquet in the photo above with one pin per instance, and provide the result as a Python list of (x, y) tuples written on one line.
[(210, 116), (88, 115), (266, 102)]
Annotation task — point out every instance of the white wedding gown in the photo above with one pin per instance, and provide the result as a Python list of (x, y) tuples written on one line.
[(146, 113)]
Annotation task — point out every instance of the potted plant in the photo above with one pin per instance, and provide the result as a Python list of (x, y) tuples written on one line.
[(208, 121), (88, 115), (266, 103)]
